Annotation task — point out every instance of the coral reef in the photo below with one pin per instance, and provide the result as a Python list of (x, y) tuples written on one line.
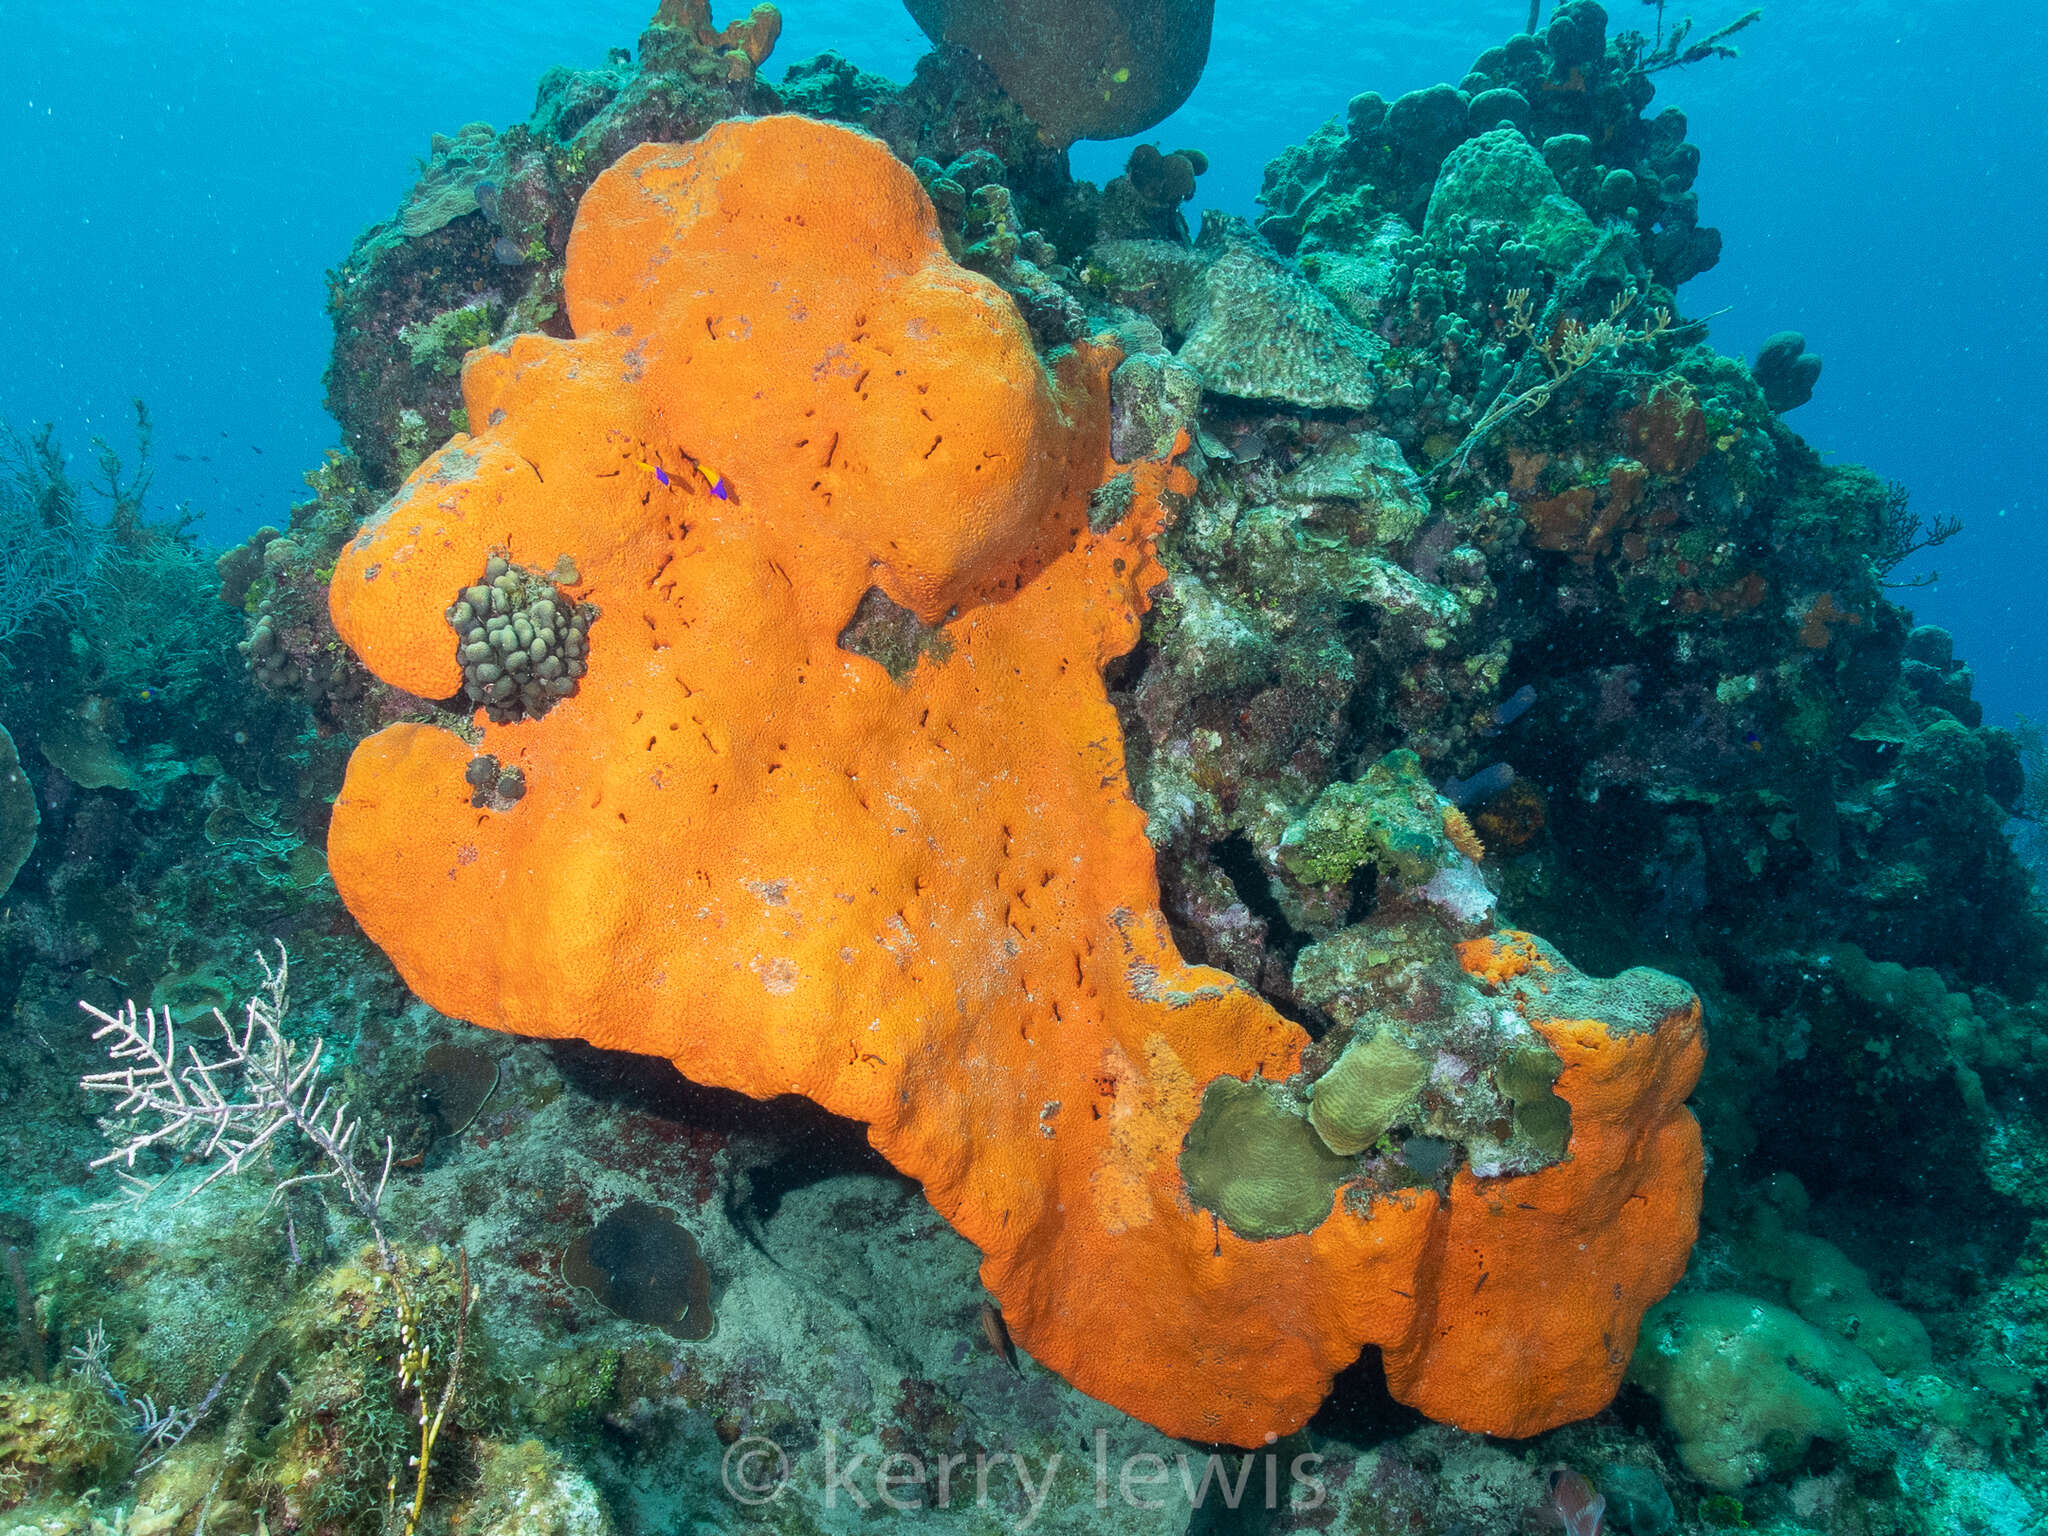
[(50, 547), (1260, 333), (1464, 592), (476, 250), (1568, 93), (830, 410)]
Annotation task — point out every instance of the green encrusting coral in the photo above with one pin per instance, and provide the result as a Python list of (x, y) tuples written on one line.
[(1253, 1160), (1391, 820), (1372, 1085), (1526, 1076), (1746, 1386)]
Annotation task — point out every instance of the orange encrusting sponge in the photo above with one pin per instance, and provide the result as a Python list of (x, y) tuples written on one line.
[(927, 904)]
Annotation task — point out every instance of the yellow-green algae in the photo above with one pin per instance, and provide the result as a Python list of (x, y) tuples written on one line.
[(58, 1437)]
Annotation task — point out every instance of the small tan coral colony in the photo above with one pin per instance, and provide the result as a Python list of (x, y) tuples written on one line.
[(715, 830)]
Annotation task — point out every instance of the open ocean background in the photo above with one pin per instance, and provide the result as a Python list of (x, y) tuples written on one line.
[(179, 178)]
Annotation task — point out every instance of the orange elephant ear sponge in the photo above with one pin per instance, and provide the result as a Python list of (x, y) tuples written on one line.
[(697, 817), (899, 405)]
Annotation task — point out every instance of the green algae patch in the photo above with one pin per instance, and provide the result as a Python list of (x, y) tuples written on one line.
[(531, 1489), (19, 817), (57, 1437), (890, 635), (338, 1432), (1255, 1162), (1366, 1093), (1391, 819), (440, 344)]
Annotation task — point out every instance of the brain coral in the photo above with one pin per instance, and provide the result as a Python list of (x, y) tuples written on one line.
[(925, 901)]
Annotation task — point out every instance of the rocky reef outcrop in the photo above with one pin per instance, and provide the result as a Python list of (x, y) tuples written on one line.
[(1459, 591)]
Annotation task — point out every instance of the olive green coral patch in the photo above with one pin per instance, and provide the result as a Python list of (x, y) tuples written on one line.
[(1253, 1160), (1526, 1077), (58, 1437), (1366, 1093)]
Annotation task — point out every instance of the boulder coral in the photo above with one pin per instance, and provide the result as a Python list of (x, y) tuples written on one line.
[(925, 899), (1746, 1386)]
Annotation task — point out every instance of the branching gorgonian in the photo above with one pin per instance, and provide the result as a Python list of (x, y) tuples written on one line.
[(1562, 347), (225, 1106)]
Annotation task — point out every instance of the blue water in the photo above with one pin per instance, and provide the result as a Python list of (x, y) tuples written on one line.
[(177, 180)]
